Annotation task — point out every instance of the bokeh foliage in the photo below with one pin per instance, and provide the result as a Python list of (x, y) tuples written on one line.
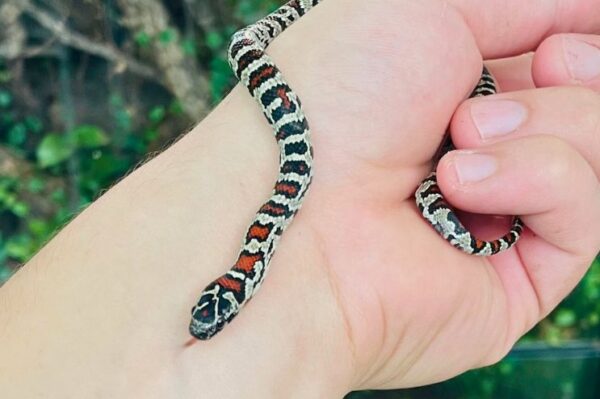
[(73, 121)]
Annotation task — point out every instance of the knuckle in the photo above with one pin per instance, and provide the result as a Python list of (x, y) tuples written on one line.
[(586, 97), (557, 149), (563, 167)]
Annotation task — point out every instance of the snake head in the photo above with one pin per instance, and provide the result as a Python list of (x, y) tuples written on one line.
[(214, 310)]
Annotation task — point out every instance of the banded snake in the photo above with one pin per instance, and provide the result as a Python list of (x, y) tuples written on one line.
[(223, 299)]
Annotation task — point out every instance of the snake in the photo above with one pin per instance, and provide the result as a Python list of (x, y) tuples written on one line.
[(221, 301)]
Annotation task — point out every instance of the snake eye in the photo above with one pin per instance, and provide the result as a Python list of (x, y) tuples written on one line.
[(204, 312)]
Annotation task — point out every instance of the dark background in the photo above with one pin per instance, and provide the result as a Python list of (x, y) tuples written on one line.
[(89, 89)]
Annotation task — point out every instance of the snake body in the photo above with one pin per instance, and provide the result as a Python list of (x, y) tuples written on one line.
[(223, 299), (440, 215)]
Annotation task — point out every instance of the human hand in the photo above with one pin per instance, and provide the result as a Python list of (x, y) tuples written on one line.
[(415, 310)]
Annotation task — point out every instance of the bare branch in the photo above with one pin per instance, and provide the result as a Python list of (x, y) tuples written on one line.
[(12, 35), (76, 40), (181, 74), (211, 15)]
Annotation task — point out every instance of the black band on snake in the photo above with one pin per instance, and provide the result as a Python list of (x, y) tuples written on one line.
[(222, 299)]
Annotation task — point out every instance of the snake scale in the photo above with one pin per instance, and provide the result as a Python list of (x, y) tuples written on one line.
[(222, 299)]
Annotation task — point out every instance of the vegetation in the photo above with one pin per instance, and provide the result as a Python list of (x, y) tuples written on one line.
[(89, 89)]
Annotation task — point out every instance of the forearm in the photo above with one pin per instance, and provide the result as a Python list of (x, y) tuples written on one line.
[(103, 309)]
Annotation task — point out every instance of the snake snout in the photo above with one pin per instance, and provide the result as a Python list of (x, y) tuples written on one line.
[(210, 315)]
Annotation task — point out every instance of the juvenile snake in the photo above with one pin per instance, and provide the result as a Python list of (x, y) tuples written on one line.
[(222, 299)]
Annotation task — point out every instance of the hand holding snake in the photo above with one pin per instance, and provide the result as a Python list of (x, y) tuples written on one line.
[(365, 170), (361, 292), (223, 299)]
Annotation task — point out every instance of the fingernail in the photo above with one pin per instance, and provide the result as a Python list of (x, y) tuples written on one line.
[(582, 59), (472, 167), (494, 118)]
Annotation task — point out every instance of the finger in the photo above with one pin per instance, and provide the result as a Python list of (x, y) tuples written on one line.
[(557, 194), (568, 59), (513, 73), (510, 27), (569, 113)]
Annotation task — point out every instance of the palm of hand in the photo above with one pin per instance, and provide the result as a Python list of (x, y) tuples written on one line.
[(408, 298)]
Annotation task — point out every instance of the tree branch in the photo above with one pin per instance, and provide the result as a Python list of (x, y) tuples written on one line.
[(80, 42), (181, 74), (12, 35)]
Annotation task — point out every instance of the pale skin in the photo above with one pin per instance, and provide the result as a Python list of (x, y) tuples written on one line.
[(362, 293)]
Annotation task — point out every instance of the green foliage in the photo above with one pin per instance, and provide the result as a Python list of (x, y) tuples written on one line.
[(221, 78), (565, 318), (88, 136), (5, 99), (9, 199), (86, 159), (143, 39), (157, 114), (56, 148), (17, 135), (53, 149), (167, 36), (215, 41), (189, 47)]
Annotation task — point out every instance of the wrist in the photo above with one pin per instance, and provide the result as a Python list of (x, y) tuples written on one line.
[(116, 285), (290, 340)]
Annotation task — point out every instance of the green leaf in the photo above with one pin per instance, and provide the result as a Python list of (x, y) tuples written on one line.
[(104, 168), (552, 336), (167, 36), (565, 318), (157, 114), (5, 99), (116, 100), (123, 119), (150, 135), (39, 227), (189, 47), (176, 108), (7, 118), (34, 124), (5, 272), (214, 41), (135, 143), (142, 39), (53, 150), (19, 247), (9, 200), (505, 367), (92, 185), (221, 78), (20, 209), (5, 76), (59, 195), (17, 134), (36, 185), (89, 136)]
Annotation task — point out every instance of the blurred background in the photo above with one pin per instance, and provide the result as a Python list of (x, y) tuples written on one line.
[(91, 88)]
